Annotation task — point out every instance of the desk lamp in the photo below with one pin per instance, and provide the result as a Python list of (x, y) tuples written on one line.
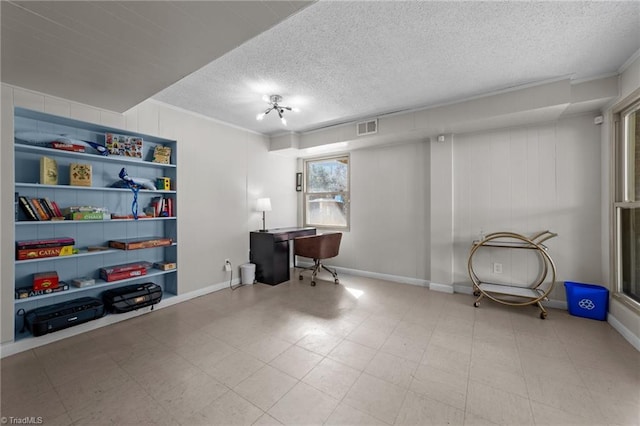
[(263, 205)]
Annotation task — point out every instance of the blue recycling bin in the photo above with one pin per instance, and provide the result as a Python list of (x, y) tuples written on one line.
[(587, 300)]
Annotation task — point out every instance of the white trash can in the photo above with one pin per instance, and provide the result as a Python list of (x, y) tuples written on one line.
[(247, 273)]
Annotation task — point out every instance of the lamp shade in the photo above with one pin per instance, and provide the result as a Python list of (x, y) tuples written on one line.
[(263, 205)]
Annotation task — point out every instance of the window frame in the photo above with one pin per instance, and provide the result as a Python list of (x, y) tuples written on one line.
[(345, 194), (622, 196)]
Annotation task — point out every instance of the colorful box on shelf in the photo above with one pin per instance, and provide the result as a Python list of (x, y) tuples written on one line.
[(80, 174), (35, 249), (124, 271), (140, 243), (165, 266), (26, 292), (162, 154), (45, 280), (89, 216), (83, 282), (123, 145), (48, 171)]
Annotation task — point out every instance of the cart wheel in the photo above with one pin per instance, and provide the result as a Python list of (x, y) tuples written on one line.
[(476, 293), (336, 281), (313, 283), (476, 304), (543, 315), (300, 277)]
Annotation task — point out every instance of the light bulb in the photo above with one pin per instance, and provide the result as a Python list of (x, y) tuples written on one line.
[(260, 116), (284, 121)]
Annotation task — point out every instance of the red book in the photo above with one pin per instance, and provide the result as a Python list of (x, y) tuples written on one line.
[(56, 209), (67, 146), (51, 242), (170, 206), (125, 267), (115, 276)]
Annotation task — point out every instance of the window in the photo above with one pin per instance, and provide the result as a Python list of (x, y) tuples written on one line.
[(326, 192), (627, 202)]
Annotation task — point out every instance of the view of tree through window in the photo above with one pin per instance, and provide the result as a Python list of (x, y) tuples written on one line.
[(327, 192)]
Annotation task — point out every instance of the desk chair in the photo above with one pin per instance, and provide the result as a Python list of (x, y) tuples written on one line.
[(318, 247)]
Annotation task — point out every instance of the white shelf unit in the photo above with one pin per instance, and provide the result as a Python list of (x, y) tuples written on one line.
[(86, 233)]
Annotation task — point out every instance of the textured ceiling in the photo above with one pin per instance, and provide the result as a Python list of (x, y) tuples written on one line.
[(340, 61), (115, 54)]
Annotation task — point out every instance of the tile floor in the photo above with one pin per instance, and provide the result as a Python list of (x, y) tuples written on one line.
[(366, 352)]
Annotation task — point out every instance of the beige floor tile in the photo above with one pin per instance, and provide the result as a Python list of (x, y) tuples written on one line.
[(492, 373), (454, 342), (446, 359), (413, 331), (296, 361), (332, 377), (563, 396), (502, 365), (393, 369), (553, 369), (376, 397), (420, 410), (303, 405), (19, 405), (229, 409), (127, 404), (546, 415), (344, 415), (352, 354), (369, 335), (207, 353), (404, 347), (266, 420), (320, 343), (234, 368), (444, 386), (189, 395), (471, 419), (267, 348), (265, 387), (498, 406)]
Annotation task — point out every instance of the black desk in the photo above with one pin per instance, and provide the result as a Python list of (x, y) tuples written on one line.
[(269, 251)]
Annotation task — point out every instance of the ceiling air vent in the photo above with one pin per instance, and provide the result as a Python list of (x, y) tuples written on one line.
[(367, 127)]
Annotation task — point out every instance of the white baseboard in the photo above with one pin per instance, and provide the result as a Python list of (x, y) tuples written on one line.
[(375, 275), (624, 331), (11, 348), (443, 288)]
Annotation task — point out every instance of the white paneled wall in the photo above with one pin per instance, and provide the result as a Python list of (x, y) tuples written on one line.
[(527, 180), (389, 212)]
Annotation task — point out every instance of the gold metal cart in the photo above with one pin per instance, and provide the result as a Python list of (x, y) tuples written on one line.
[(516, 294)]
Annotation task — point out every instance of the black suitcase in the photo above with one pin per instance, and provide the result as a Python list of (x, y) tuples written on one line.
[(132, 297), (48, 319)]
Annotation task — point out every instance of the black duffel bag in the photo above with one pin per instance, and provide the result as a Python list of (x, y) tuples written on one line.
[(131, 297)]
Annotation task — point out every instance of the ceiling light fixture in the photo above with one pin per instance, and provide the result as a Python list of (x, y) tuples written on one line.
[(274, 104)]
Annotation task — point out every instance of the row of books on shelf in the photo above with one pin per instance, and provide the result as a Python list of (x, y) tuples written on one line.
[(63, 246), (44, 209), (49, 282)]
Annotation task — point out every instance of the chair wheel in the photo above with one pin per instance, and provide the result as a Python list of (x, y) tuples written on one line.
[(313, 283), (336, 281), (476, 304), (300, 277), (543, 315)]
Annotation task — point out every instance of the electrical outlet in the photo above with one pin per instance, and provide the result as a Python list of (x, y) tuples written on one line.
[(497, 268), (227, 265)]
